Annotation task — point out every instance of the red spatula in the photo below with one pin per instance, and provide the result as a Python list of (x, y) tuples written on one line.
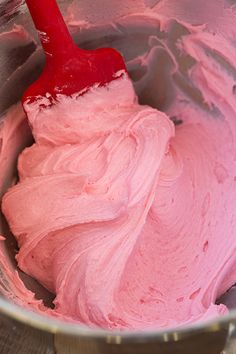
[(68, 69)]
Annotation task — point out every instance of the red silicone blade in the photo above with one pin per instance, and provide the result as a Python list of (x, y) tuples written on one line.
[(68, 69)]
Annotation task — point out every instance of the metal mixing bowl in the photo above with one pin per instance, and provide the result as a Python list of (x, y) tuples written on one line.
[(20, 63)]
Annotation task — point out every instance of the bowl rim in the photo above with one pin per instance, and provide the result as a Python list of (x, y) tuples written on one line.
[(59, 326)]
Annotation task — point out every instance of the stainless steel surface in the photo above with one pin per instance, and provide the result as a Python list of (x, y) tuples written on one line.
[(24, 54)]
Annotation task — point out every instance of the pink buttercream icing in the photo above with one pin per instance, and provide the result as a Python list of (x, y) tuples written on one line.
[(129, 219)]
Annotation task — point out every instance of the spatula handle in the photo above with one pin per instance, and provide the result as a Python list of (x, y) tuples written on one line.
[(53, 32)]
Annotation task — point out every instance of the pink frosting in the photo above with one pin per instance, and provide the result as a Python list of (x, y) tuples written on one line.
[(129, 225), (127, 218)]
